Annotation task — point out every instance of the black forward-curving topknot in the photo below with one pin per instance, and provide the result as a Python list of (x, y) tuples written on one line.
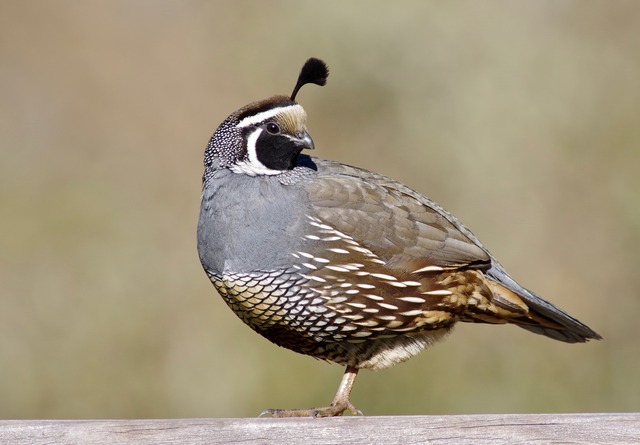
[(313, 71)]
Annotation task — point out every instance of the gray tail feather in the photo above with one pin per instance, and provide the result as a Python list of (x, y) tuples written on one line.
[(568, 330)]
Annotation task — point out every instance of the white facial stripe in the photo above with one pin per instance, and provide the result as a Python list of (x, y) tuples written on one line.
[(261, 117), (252, 166)]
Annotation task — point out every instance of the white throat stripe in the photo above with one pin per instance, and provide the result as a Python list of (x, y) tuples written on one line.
[(252, 166), (263, 116)]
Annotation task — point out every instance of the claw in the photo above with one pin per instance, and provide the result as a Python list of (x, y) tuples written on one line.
[(340, 403), (328, 411), (353, 410)]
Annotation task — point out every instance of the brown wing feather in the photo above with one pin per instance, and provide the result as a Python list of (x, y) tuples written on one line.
[(391, 221), (427, 269)]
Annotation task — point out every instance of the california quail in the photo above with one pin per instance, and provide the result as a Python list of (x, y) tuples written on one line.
[(341, 263)]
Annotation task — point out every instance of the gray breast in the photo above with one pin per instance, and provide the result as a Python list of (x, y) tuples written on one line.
[(250, 224)]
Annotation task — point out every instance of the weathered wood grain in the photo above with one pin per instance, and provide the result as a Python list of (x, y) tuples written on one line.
[(494, 429)]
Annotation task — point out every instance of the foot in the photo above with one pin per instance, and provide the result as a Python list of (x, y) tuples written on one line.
[(340, 403), (337, 409)]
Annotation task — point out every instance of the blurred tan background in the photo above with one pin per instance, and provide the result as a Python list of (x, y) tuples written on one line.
[(522, 118)]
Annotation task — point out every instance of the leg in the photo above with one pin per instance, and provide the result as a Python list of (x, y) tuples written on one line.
[(340, 403)]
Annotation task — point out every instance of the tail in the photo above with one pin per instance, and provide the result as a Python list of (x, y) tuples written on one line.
[(542, 317)]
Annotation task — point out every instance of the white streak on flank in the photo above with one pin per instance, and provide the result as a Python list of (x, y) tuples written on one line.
[(412, 283), (383, 276), (429, 269), (412, 313), (388, 306), (265, 115), (317, 222), (365, 286), (337, 268), (337, 250), (437, 292), (357, 248), (313, 237), (374, 297), (321, 260), (396, 284), (417, 300), (305, 254), (320, 225), (343, 235)]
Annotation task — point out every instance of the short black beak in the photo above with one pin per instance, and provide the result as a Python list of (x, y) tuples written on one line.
[(304, 141)]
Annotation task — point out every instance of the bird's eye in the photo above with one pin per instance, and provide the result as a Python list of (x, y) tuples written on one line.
[(273, 128)]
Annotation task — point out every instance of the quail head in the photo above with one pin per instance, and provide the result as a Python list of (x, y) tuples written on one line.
[(340, 263)]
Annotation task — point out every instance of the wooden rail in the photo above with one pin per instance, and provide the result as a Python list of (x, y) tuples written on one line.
[(494, 429)]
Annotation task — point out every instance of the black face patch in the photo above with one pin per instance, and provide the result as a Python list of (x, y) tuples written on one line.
[(277, 152)]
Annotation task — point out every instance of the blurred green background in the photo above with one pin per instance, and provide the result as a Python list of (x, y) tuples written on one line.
[(522, 118)]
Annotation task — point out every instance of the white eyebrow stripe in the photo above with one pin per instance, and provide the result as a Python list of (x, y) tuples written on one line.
[(263, 116)]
